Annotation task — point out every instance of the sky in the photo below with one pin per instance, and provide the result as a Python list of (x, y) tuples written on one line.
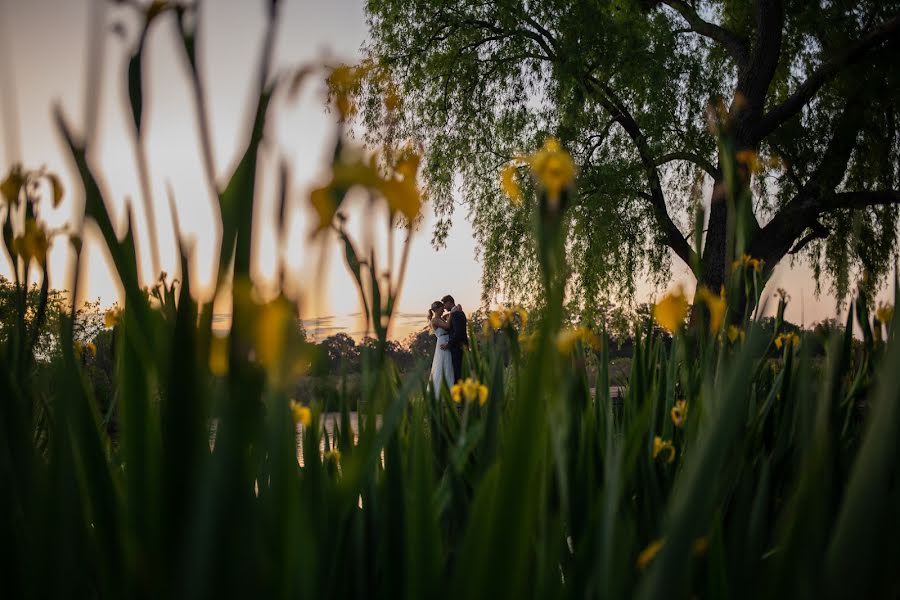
[(43, 49)]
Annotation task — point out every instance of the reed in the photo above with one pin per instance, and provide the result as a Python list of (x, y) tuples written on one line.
[(735, 465)]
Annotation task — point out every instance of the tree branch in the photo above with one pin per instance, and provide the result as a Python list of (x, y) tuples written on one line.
[(690, 157), (819, 232), (616, 108), (852, 200), (779, 234), (525, 32), (735, 45), (542, 30), (825, 73), (600, 137), (860, 199), (754, 79)]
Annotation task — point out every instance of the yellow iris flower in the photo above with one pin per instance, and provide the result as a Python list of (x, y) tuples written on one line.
[(553, 168), (112, 317), (398, 188), (734, 333), (646, 556), (509, 185), (12, 185), (496, 319), (746, 260), (787, 339), (81, 347), (567, 338), (885, 313), (649, 553), (469, 390), (33, 243), (663, 448), (671, 310), (679, 413), (715, 304), (301, 414)]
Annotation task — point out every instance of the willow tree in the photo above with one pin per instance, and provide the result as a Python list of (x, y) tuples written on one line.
[(627, 85)]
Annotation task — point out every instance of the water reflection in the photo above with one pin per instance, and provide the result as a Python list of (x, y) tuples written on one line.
[(331, 425), (329, 422)]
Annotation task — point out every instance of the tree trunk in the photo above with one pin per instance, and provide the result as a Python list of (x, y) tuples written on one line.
[(719, 251), (712, 265)]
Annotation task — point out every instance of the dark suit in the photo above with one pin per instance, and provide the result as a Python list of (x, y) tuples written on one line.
[(458, 340)]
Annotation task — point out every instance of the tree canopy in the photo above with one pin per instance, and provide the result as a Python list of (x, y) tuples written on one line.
[(87, 320), (809, 89)]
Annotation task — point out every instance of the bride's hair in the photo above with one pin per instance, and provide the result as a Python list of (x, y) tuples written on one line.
[(434, 306)]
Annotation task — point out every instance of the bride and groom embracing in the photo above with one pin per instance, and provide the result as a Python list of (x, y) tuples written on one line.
[(449, 325)]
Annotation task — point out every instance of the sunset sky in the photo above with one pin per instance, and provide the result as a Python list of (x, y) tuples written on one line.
[(43, 50)]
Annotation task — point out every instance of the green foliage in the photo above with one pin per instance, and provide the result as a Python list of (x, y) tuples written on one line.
[(626, 85), (769, 482), (88, 319)]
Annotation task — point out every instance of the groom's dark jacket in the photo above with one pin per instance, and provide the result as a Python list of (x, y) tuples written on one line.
[(459, 336)]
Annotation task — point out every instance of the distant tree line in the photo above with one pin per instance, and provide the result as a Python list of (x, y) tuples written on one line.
[(340, 354), (336, 355)]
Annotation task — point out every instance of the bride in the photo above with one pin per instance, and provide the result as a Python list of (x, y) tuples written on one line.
[(442, 365)]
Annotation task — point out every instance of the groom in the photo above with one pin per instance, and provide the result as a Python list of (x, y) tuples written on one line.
[(459, 338)]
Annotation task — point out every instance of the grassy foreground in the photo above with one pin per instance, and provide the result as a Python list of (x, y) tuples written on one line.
[(735, 466)]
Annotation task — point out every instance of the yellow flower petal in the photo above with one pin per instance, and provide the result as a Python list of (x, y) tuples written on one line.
[(553, 168), (750, 159), (671, 310), (509, 185), (57, 187), (589, 338), (322, 201), (756, 264), (566, 341), (649, 553), (12, 185), (715, 304), (302, 415), (342, 82), (469, 390), (456, 393), (218, 356), (734, 333), (408, 165), (33, 243), (112, 317), (663, 448), (679, 413), (402, 196), (567, 338), (527, 342)]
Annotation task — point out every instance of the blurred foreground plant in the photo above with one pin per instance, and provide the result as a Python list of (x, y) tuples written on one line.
[(732, 466)]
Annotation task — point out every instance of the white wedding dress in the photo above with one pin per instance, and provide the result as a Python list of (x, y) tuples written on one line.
[(442, 364)]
